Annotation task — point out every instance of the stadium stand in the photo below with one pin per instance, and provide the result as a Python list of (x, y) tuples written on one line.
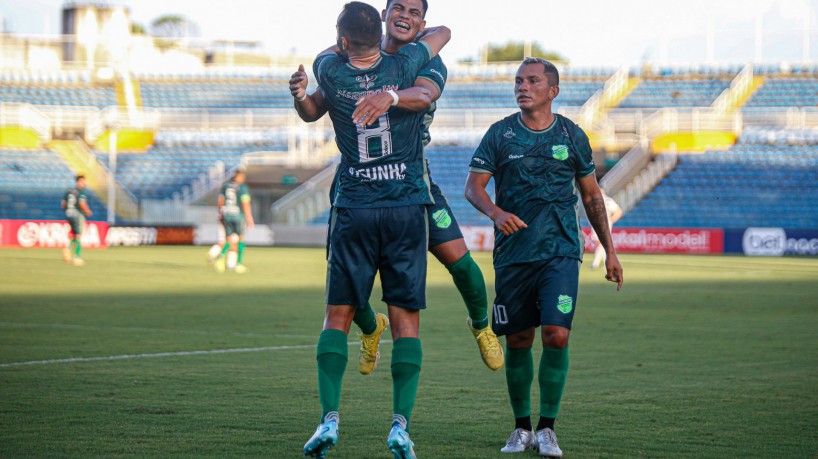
[(747, 185), (32, 183), (58, 94), (785, 92), (676, 92)]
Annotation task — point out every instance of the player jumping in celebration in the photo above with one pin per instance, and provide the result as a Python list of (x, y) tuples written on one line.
[(405, 23), (539, 160), (237, 217), (75, 203), (378, 221)]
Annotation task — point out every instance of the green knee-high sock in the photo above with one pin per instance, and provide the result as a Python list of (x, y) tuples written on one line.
[(407, 355), (472, 287), (241, 252), (552, 375), (519, 376), (77, 246), (365, 319), (225, 248), (332, 362)]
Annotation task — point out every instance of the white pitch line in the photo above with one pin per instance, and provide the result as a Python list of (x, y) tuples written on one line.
[(143, 329), (167, 354)]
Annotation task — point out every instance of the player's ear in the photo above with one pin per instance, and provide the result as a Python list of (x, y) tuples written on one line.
[(555, 90), (422, 26)]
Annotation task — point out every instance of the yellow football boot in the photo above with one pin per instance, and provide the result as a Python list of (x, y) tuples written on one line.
[(369, 356), (490, 348)]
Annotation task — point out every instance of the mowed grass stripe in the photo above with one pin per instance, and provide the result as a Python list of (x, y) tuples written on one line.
[(698, 356)]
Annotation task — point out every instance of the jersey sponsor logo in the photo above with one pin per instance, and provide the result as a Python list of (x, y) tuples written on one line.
[(560, 152), (565, 304), (355, 95), (442, 218), (509, 133), (366, 81), (385, 172), (516, 156), (438, 74), (478, 161)]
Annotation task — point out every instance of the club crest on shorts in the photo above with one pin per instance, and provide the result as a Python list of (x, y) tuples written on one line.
[(560, 152), (442, 218), (565, 304)]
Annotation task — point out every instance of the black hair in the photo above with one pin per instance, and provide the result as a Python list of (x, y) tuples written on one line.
[(425, 6), (78, 178), (360, 24), (548, 68)]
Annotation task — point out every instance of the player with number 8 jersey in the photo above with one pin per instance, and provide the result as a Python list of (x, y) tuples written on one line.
[(376, 171)]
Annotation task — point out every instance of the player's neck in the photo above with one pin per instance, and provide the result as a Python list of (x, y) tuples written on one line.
[(366, 59), (538, 120), (391, 45)]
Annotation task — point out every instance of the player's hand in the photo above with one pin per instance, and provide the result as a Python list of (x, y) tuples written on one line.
[(370, 108), (89, 214), (298, 83), (251, 224), (614, 269), (508, 223)]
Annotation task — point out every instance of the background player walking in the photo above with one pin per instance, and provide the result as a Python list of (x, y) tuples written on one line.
[(75, 203)]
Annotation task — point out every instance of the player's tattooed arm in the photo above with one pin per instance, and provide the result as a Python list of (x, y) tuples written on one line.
[(594, 204), (506, 222), (310, 107)]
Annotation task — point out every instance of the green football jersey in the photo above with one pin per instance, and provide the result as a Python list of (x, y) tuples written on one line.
[(234, 194), (534, 178), (72, 199), (382, 165)]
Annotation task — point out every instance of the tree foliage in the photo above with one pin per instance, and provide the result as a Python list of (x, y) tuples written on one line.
[(515, 51), (173, 26)]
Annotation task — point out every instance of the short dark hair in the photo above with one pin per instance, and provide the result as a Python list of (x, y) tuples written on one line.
[(548, 68), (78, 178), (425, 5), (360, 24)]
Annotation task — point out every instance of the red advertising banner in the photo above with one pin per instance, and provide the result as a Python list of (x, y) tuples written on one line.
[(638, 240), (663, 240), (49, 234)]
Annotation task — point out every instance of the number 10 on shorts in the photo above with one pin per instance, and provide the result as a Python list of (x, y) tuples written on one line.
[(500, 315)]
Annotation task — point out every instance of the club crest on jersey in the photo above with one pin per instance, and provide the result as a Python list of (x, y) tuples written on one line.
[(559, 152), (366, 81), (509, 133)]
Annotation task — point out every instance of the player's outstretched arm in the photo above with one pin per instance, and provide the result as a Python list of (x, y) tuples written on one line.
[(436, 38), (248, 214), (310, 107), (594, 204), (506, 222)]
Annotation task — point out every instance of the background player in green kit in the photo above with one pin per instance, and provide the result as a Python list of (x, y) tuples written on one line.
[(378, 221), (237, 217), (539, 160), (75, 203), (446, 241)]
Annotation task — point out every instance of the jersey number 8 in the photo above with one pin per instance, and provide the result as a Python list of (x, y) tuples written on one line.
[(375, 142)]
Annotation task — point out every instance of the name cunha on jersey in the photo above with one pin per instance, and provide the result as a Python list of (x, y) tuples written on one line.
[(355, 95), (385, 172)]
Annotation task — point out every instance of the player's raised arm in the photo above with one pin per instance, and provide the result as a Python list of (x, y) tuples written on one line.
[(417, 99), (506, 222), (310, 107), (594, 204), (436, 38)]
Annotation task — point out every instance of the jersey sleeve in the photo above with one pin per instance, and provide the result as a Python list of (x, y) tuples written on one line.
[(320, 67), (585, 159), (436, 72), (414, 57), (484, 159), (244, 194), (82, 196)]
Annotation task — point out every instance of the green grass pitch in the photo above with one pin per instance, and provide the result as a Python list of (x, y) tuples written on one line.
[(696, 357)]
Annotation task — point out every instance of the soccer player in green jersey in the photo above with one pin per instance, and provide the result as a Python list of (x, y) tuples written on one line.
[(378, 222), (446, 241), (75, 203), (237, 217), (539, 161)]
